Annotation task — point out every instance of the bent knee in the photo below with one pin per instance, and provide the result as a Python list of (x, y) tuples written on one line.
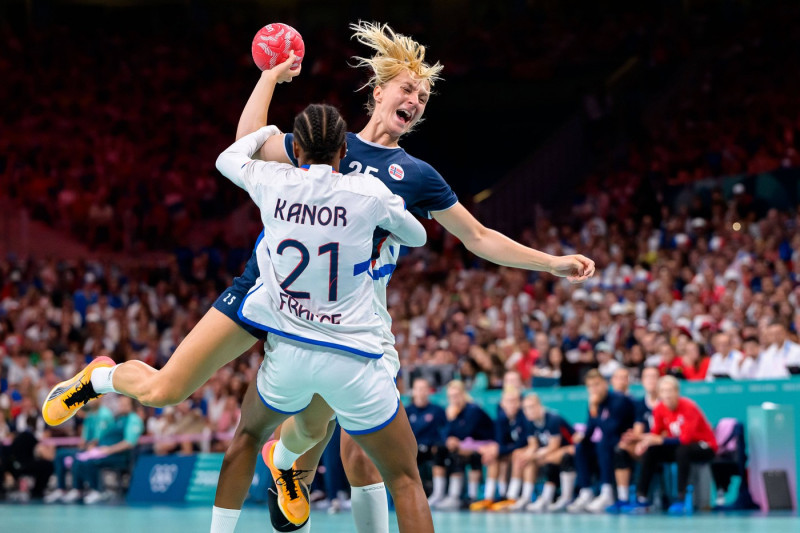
[(162, 395)]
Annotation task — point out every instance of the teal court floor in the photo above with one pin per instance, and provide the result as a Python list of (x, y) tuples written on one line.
[(128, 519)]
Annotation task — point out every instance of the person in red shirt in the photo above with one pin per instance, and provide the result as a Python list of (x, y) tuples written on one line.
[(694, 362), (680, 434)]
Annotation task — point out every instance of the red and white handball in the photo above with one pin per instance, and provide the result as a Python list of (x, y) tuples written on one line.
[(272, 44)]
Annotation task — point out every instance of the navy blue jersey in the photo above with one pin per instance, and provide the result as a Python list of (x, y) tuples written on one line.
[(644, 414), (553, 425), (615, 415), (427, 423), (415, 181), (509, 434), (471, 422)]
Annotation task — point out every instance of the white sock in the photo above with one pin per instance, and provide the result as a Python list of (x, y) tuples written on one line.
[(283, 457), (568, 484), (489, 489), (101, 379), (503, 488), (623, 493), (370, 508), (472, 489), (513, 488), (586, 494), (527, 491), (439, 486), (607, 491), (223, 520), (305, 529), (456, 485), (548, 492)]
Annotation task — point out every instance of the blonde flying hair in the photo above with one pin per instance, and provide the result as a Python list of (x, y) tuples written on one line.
[(394, 53)]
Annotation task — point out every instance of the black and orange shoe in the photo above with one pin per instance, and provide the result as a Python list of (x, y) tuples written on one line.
[(69, 396), (292, 492)]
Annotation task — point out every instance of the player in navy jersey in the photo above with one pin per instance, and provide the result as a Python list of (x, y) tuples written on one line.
[(509, 436), (547, 443), (427, 421), (643, 422), (610, 415), (401, 86)]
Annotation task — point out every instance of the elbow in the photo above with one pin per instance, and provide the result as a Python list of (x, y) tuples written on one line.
[(220, 164)]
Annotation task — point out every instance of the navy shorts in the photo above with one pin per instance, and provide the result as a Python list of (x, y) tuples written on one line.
[(231, 298)]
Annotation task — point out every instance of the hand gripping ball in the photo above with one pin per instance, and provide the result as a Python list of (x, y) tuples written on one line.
[(272, 44)]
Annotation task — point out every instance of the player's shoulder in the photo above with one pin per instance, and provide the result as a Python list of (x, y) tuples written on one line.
[(364, 185)]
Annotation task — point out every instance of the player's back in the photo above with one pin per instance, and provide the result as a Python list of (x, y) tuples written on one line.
[(315, 254)]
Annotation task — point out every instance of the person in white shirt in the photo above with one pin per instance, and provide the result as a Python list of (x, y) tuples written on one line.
[(606, 364), (773, 362), (781, 348), (748, 366), (725, 361), (314, 296)]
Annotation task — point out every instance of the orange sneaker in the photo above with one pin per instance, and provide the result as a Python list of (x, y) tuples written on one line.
[(69, 396), (292, 493), (501, 506), (480, 505)]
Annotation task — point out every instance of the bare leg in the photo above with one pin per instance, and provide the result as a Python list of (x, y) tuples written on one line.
[(305, 430), (257, 424), (394, 451), (358, 467), (214, 342), (310, 460)]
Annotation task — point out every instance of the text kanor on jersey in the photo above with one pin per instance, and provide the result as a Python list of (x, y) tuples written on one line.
[(310, 214)]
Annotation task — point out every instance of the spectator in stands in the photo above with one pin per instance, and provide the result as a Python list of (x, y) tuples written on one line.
[(96, 419), (694, 362), (496, 456), (21, 456), (782, 353), (725, 361), (114, 449), (610, 415), (549, 452), (468, 427), (680, 434), (427, 421), (551, 365), (750, 366), (606, 363)]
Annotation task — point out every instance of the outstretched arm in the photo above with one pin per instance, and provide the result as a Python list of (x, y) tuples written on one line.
[(254, 115), (497, 248)]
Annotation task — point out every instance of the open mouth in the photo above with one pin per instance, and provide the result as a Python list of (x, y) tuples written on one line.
[(404, 115)]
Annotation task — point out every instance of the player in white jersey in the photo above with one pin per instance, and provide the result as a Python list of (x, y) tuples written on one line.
[(325, 343)]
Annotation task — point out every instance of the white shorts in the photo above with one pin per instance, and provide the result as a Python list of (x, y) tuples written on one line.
[(361, 391)]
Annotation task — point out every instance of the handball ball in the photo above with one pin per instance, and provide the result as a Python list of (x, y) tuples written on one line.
[(272, 44)]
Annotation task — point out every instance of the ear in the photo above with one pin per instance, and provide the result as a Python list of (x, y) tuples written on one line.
[(377, 94), (343, 151), (295, 149)]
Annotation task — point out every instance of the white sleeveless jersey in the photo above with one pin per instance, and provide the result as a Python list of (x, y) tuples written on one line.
[(318, 229)]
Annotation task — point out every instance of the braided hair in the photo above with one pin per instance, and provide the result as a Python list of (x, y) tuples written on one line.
[(320, 131)]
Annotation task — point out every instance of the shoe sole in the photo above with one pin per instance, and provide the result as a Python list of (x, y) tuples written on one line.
[(56, 392), (266, 455)]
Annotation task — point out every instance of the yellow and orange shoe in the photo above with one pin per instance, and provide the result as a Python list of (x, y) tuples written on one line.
[(480, 505), (69, 396), (292, 492), (502, 506)]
